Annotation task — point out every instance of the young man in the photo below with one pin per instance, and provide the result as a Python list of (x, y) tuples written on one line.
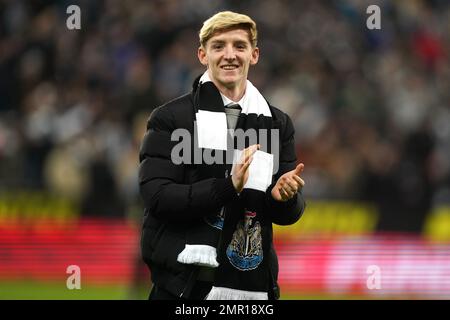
[(207, 230)]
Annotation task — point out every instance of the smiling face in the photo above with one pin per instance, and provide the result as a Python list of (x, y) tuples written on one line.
[(228, 55)]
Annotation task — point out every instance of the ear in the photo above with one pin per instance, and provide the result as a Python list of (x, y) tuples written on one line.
[(255, 56), (201, 54)]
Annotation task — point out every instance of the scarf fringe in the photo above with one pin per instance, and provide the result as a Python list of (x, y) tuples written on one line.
[(221, 293), (201, 255)]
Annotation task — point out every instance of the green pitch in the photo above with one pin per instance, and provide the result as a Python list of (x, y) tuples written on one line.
[(27, 290), (58, 291)]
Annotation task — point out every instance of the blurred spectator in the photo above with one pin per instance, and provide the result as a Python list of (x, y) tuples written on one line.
[(371, 107), (102, 198)]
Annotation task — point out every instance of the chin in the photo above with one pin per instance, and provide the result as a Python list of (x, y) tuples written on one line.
[(229, 84), (230, 80)]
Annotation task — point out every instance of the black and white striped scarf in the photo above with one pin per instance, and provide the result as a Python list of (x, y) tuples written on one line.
[(237, 239)]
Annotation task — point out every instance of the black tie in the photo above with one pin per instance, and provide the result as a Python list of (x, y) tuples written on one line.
[(233, 105)]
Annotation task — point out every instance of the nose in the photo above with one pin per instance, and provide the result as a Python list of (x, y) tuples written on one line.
[(229, 53)]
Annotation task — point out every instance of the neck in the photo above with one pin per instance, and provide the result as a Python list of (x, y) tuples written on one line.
[(235, 94)]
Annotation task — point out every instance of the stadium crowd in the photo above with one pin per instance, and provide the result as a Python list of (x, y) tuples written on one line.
[(371, 107)]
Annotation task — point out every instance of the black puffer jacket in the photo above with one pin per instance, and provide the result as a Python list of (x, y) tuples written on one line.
[(176, 198)]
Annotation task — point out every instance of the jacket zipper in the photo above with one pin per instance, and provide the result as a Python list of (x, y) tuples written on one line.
[(189, 282)]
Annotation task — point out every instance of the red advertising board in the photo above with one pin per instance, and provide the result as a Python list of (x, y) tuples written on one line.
[(374, 266), (379, 266)]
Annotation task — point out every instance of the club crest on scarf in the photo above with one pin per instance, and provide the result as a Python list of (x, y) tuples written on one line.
[(245, 249)]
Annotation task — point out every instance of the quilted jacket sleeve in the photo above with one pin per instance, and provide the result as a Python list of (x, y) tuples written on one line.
[(161, 182), (289, 212)]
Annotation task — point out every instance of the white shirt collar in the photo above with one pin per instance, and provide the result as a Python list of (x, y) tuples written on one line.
[(227, 101), (251, 102)]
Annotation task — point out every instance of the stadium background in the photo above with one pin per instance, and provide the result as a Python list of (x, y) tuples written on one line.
[(371, 110)]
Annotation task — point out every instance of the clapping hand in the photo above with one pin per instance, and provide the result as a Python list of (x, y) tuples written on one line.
[(288, 184)]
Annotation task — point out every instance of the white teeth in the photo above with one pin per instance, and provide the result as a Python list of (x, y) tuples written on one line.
[(229, 67)]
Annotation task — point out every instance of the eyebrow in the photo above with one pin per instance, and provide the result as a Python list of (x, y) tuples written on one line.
[(217, 42), (241, 42), (235, 42)]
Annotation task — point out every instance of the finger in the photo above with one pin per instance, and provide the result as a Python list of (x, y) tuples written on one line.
[(299, 169), (288, 194), (302, 182), (277, 195), (248, 152), (243, 157), (284, 194), (299, 180), (285, 186), (290, 190), (252, 149), (291, 185), (247, 164)]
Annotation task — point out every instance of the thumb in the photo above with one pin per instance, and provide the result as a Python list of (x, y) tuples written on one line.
[(299, 169)]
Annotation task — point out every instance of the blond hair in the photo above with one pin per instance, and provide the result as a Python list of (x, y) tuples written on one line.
[(226, 20)]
